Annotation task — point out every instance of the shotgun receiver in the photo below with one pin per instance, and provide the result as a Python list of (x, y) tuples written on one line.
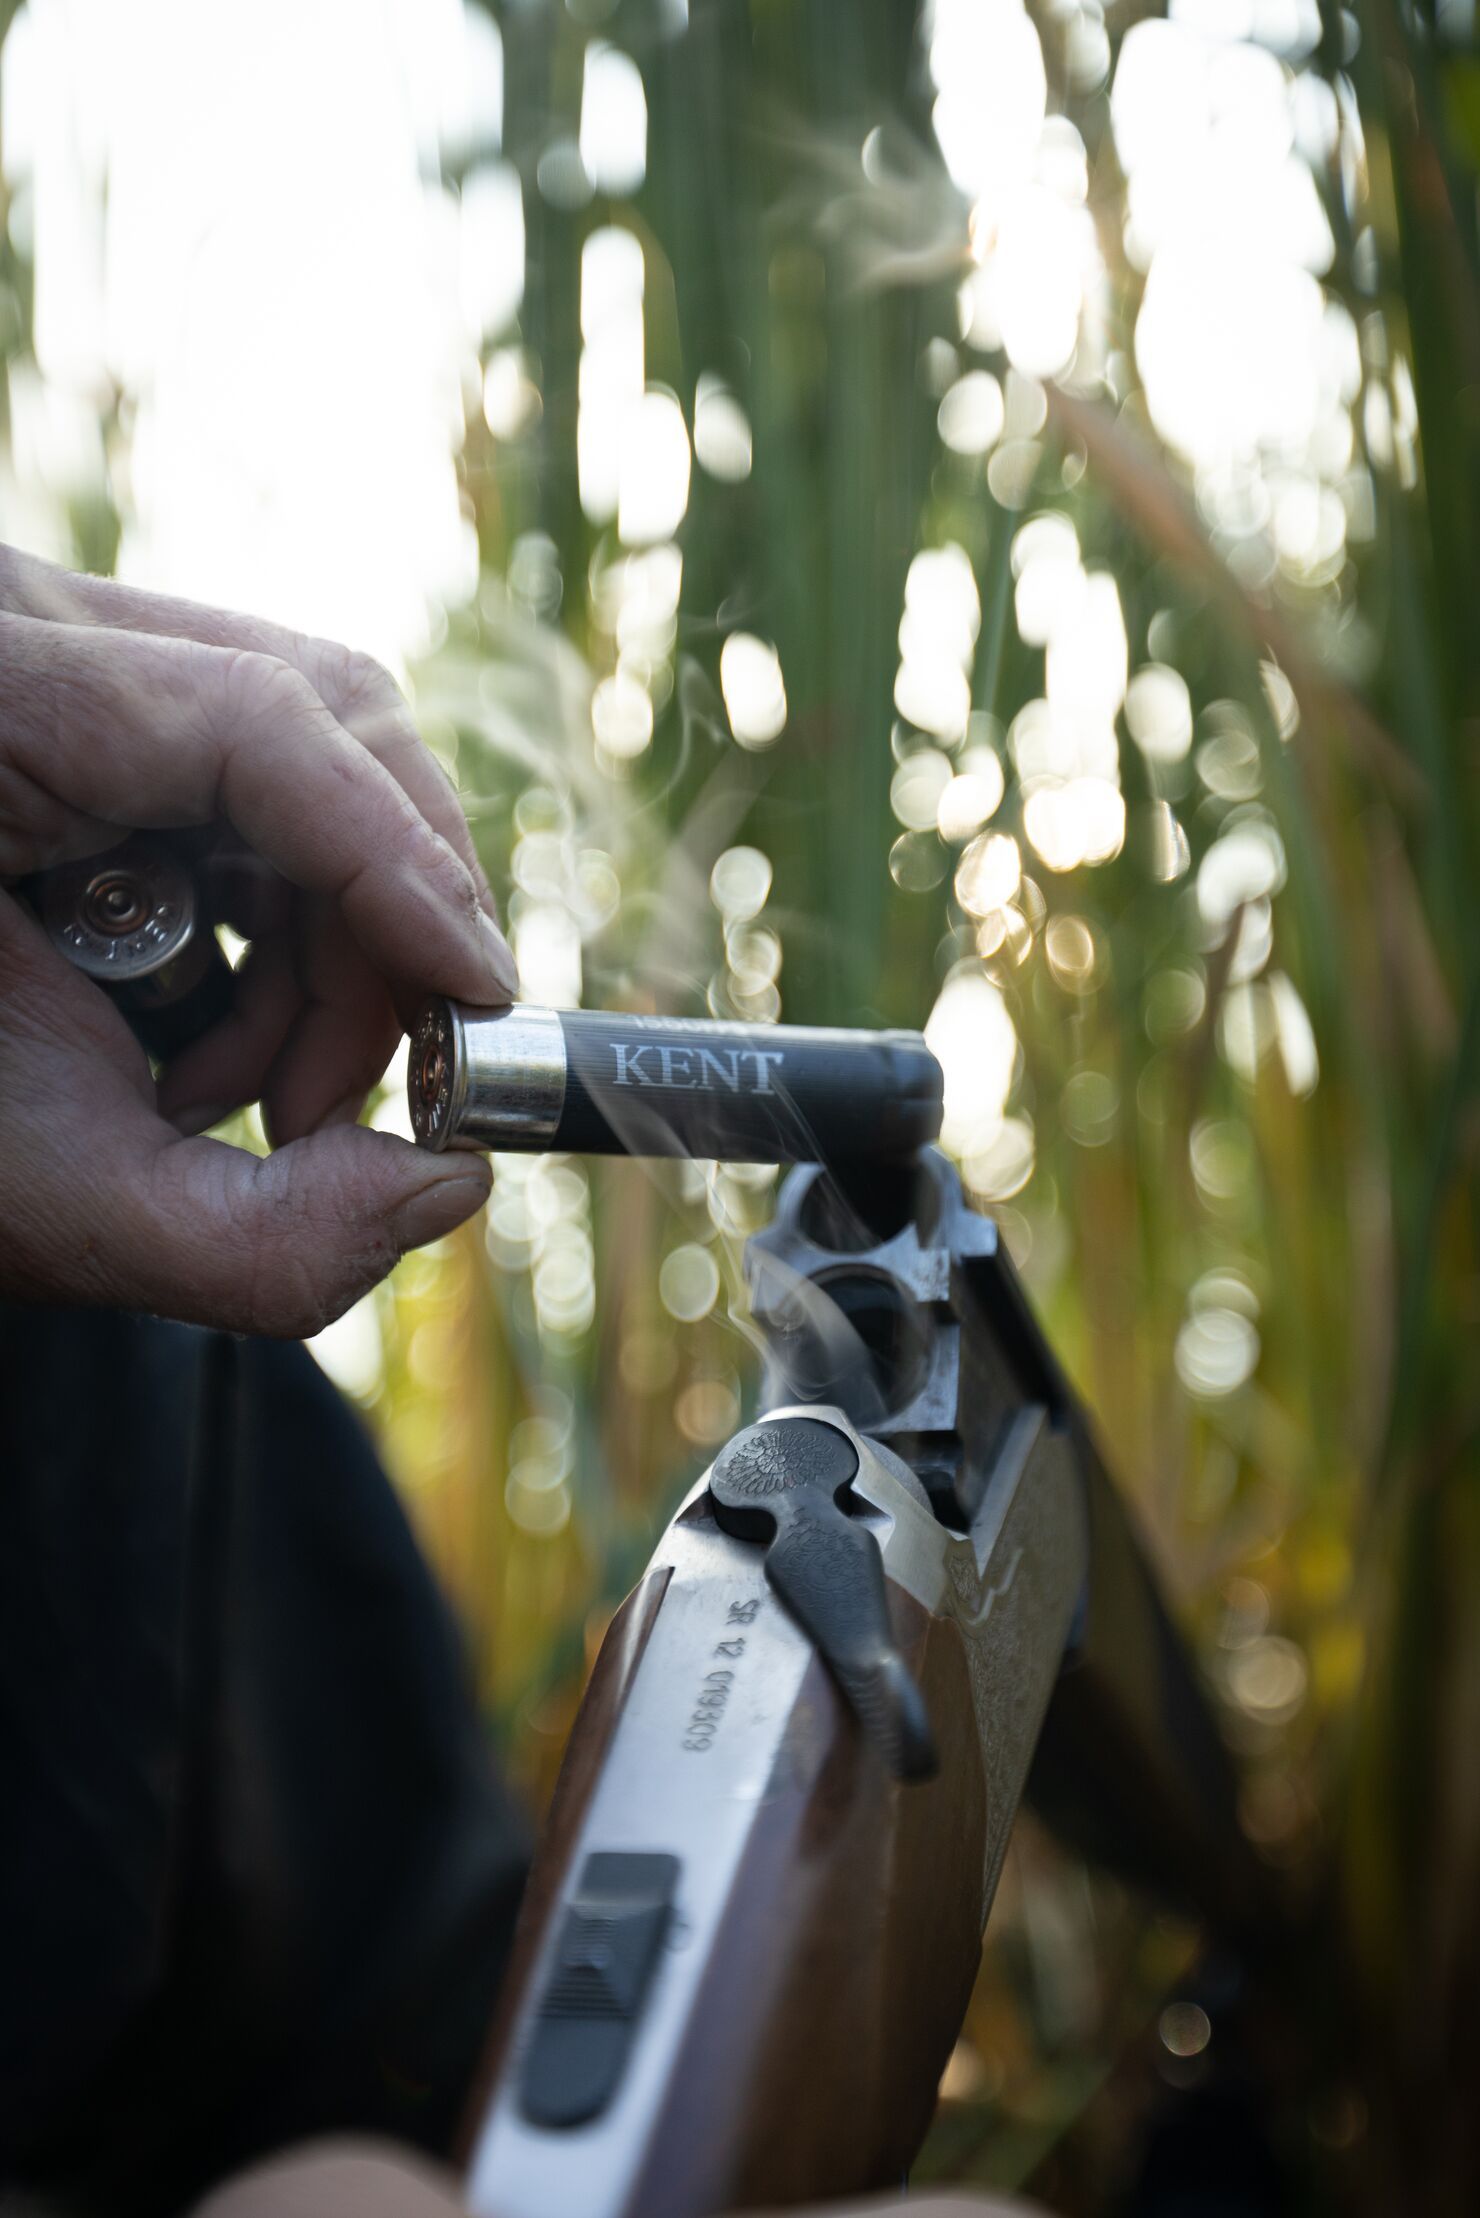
[(756, 1912)]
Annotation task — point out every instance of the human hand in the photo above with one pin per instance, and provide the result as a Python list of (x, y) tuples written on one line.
[(370, 2180), (345, 860)]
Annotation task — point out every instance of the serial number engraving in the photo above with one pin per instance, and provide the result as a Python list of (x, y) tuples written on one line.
[(714, 1693), (718, 1682)]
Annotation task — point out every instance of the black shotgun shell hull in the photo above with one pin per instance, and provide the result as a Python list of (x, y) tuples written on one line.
[(591, 1083)]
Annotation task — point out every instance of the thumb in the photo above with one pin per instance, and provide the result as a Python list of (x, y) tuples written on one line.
[(281, 1245), (101, 1201)]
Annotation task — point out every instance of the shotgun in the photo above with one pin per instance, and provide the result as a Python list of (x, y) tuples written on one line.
[(902, 1597)]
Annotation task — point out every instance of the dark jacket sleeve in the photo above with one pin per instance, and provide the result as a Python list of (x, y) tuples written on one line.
[(257, 1872)]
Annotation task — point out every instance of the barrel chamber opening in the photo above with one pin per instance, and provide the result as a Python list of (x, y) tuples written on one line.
[(856, 1338), (849, 1209)]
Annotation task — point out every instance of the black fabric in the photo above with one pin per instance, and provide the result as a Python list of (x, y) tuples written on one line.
[(257, 1874)]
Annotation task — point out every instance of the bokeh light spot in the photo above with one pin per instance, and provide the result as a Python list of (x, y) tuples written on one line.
[(688, 1282)]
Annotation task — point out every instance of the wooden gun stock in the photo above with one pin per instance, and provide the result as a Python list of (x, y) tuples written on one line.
[(783, 2037)]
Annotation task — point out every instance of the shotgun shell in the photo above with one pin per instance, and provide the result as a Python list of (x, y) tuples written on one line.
[(122, 916), (590, 1083), (134, 920)]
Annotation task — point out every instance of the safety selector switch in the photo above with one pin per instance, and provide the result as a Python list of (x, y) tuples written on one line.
[(788, 1483), (594, 1993)]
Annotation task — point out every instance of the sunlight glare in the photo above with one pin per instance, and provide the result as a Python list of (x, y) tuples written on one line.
[(547, 948), (612, 365), (992, 92), (972, 1037), (614, 119), (622, 717), (972, 796), (918, 788), (937, 641), (491, 248), (972, 413), (754, 689), (1079, 821), (653, 469), (1158, 711), (722, 440), (156, 215), (1248, 370), (1085, 663), (1247, 863), (740, 884)]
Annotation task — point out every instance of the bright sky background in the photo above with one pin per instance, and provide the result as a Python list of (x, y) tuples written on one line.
[(239, 222), (277, 278)]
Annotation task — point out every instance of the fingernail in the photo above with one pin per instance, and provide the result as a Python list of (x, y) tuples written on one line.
[(190, 1122), (499, 957), (437, 1210)]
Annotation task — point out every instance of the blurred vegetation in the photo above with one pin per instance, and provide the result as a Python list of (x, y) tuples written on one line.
[(1219, 1084)]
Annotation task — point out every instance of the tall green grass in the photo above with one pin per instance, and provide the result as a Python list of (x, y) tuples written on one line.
[(1319, 1526), (1322, 1520)]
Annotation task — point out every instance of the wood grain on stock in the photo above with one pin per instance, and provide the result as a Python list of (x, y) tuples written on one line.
[(839, 1988), (844, 1964)]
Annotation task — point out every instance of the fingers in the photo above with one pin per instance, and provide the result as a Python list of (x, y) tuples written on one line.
[(338, 2180), (37, 830), (344, 1035), (120, 711), (369, 703), (363, 697), (158, 732), (279, 1246), (192, 1229), (101, 1202), (310, 1030), (364, 2180), (963, 2205), (227, 1067)]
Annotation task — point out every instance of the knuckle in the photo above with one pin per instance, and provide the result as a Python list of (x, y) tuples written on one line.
[(246, 686), (445, 864), (365, 681), (353, 683), (364, 697), (428, 857)]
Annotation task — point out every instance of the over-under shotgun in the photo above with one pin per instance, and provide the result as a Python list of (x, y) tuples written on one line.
[(902, 1596)]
